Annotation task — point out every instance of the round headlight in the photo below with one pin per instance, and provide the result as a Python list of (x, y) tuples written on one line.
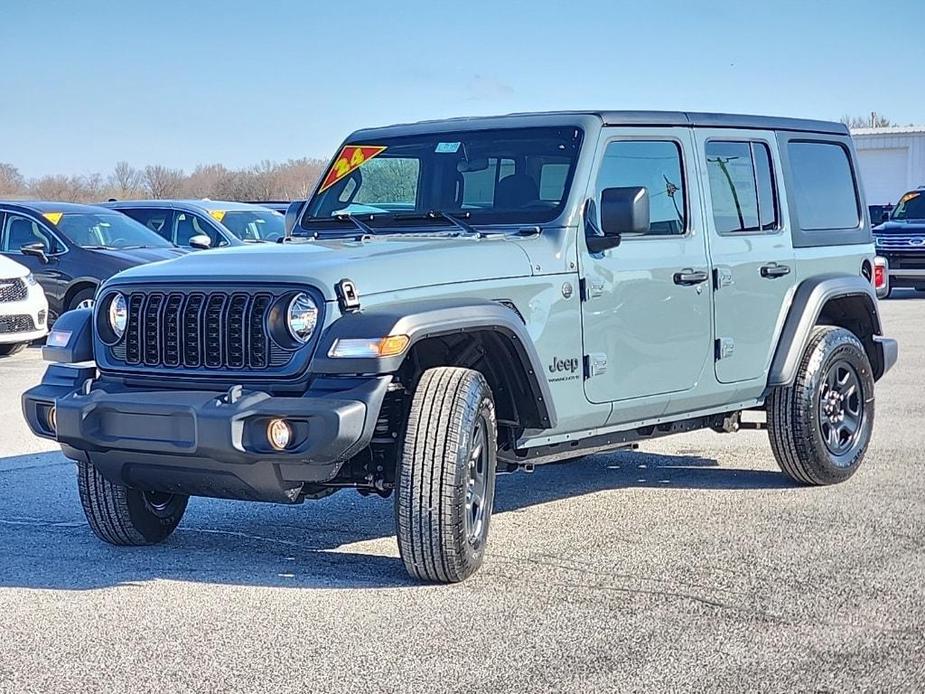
[(302, 317), (118, 314)]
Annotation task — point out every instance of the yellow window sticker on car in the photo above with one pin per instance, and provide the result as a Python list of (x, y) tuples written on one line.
[(53, 217), (351, 158), (217, 215), (907, 197)]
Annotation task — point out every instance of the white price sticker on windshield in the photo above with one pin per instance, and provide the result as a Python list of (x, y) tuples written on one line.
[(447, 147)]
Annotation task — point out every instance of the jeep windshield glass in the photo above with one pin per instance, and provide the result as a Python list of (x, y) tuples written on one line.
[(108, 231), (506, 176), (255, 225), (911, 206)]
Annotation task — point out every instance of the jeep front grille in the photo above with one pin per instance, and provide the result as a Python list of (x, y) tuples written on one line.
[(199, 330), (12, 290)]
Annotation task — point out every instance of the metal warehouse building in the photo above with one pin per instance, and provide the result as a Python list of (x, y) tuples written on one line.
[(892, 161)]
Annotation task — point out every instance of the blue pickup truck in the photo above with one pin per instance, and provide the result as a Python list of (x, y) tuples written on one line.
[(900, 239)]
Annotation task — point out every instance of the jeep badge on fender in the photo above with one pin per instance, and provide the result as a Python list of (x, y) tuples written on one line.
[(716, 272)]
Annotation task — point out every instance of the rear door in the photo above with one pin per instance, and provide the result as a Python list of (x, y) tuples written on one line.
[(750, 246), (646, 308)]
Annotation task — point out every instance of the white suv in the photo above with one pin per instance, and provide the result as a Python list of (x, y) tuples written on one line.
[(23, 308)]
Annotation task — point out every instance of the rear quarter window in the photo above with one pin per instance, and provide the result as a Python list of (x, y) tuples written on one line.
[(823, 188)]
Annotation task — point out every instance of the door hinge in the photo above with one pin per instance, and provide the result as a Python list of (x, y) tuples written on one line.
[(595, 364), (722, 277), (590, 290), (725, 347)]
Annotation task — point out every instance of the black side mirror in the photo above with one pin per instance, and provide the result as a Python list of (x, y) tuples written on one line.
[(36, 250), (623, 211), (884, 217), (292, 215)]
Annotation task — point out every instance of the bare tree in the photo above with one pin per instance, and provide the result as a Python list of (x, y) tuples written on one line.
[(125, 180), (57, 187), (268, 180), (874, 120), (11, 181), (299, 176), (161, 182)]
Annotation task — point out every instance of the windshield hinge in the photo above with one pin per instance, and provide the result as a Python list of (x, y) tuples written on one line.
[(347, 296)]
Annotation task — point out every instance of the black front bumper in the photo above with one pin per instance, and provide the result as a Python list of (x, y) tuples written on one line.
[(205, 443)]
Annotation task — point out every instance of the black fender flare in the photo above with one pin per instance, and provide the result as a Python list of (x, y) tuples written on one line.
[(808, 303), (71, 338), (424, 319)]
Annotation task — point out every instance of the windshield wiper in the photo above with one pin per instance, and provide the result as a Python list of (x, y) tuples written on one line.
[(440, 214), (343, 217)]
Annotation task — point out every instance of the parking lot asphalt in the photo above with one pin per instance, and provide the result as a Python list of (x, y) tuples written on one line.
[(692, 564)]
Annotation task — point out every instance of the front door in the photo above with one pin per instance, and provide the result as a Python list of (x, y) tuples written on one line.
[(750, 246), (646, 311), (18, 231)]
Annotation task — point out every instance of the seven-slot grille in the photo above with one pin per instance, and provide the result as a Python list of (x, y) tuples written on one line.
[(12, 290), (199, 330)]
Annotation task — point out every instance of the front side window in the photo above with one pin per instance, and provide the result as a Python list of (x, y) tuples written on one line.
[(741, 187), (107, 230), (823, 186), (21, 231), (255, 225), (503, 176), (656, 166), (188, 225)]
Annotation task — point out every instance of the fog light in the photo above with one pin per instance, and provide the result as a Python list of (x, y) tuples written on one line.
[(52, 419), (279, 434)]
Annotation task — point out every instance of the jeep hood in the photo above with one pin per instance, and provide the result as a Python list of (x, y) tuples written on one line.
[(390, 263)]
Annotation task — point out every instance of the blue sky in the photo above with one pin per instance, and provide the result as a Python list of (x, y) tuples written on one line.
[(85, 84)]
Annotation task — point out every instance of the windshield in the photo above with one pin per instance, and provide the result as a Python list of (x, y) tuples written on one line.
[(911, 206), (509, 176), (108, 230), (255, 225)]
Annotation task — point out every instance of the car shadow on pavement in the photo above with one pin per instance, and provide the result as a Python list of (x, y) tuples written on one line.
[(342, 541)]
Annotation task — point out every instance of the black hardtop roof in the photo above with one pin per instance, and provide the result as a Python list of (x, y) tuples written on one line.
[(613, 118)]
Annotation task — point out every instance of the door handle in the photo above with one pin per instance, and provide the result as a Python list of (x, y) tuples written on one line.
[(773, 270), (688, 277)]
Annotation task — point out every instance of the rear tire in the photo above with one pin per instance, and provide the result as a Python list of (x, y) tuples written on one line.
[(820, 426), (123, 516), (8, 350), (446, 476)]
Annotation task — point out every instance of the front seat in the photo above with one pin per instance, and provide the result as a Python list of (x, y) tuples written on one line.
[(515, 191)]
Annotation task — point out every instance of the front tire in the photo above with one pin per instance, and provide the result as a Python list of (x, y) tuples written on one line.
[(123, 516), (820, 425), (446, 476), (8, 350), (82, 299)]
